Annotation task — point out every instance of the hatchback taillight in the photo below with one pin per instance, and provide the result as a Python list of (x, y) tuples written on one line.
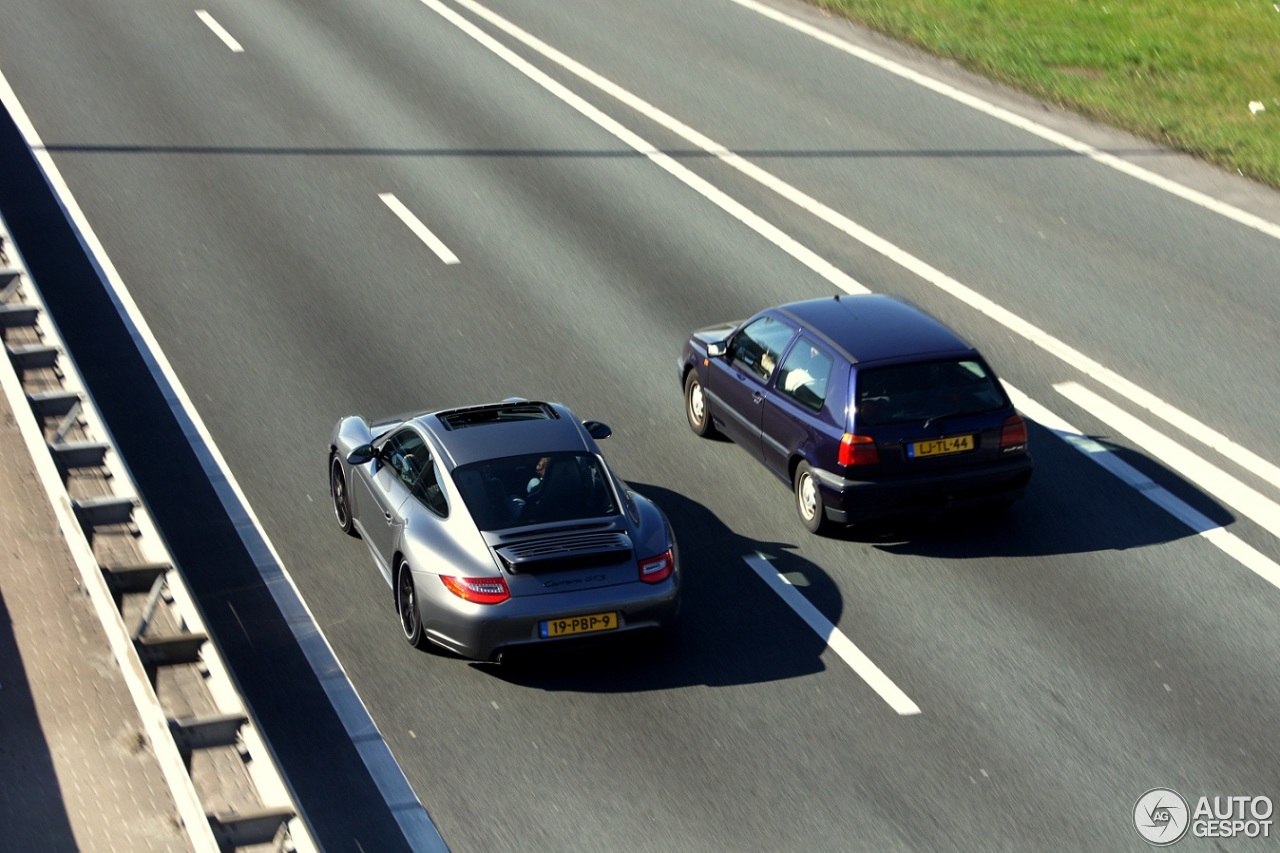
[(1013, 433), (858, 450), (657, 569), (478, 590)]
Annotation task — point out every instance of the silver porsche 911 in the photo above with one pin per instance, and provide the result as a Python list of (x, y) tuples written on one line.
[(501, 525)]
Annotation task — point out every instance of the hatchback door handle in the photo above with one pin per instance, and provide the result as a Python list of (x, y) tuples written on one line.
[(388, 517), (757, 397)]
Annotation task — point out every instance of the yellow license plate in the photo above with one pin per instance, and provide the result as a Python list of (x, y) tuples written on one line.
[(579, 625), (941, 446)]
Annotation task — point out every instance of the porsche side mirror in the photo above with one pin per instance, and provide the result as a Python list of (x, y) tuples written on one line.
[(362, 454), (597, 430)]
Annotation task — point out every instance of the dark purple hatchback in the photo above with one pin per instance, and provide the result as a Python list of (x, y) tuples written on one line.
[(867, 406)]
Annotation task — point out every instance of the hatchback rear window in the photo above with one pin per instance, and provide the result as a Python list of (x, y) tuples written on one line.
[(902, 393)]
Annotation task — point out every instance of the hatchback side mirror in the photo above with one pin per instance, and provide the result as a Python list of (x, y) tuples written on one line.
[(717, 349), (362, 454), (597, 430)]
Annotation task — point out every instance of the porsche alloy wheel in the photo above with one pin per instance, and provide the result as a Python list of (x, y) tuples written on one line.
[(338, 489), (407, 606)]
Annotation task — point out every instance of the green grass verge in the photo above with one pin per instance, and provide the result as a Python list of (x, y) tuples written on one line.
[(1180, 72)]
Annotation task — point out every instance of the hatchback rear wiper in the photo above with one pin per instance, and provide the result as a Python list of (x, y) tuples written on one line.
[(947, 416)]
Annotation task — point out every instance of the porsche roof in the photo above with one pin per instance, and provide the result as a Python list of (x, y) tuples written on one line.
[(510, 428)]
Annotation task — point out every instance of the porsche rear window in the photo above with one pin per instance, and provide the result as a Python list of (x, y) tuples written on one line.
[(535, 489), (922, 391)]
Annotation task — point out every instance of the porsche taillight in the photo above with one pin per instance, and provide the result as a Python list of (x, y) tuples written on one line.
[(858, 450), (477, 590), (657, 569)]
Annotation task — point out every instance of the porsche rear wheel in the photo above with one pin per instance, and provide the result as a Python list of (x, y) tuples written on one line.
[(407, 607), (338, 490)]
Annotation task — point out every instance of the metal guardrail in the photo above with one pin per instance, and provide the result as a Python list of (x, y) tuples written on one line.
[(229, 794)]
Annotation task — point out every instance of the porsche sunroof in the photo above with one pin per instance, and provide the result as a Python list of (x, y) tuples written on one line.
[(495, 414)]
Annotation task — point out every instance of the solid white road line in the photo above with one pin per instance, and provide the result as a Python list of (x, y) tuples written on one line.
[(738, 211), (1011, 321), (416, 226), (387, 774), (1271, 229), (835, 639), (1050, 344), (219, 31), (1205, 527)]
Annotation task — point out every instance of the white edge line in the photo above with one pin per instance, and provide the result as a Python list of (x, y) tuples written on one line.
[(412, 817), (834, 637), (1009, 117), (219, 31), (152, 716), (415, 225), (1221, 538), (1202, 525), (1050, 344)]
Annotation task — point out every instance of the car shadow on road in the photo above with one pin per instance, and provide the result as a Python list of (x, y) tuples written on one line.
[(733, 628), (1072, 506)]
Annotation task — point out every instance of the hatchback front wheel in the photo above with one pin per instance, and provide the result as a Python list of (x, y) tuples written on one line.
[(695, 406)]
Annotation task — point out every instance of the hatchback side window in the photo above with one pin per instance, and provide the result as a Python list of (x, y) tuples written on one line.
[(805, 373), (757, 347)]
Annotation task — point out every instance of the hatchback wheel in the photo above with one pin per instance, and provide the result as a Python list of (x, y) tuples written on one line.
[(695, 406), (338, 489), (809, 506), (407, 607)]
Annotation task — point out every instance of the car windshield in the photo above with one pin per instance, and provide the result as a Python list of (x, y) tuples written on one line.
[(536, 488), (926, 390)]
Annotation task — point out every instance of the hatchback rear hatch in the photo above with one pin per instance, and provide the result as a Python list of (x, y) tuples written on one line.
[(933, 415)]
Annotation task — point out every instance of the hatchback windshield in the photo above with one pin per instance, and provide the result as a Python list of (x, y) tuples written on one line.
[(926, 390), (535, 489)]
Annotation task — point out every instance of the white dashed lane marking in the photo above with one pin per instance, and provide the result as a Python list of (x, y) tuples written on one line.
[(835, 639), (218, 31), (415, 225)]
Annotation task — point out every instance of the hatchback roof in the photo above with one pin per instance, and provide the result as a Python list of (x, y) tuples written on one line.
[(873, 326), (512, 428)]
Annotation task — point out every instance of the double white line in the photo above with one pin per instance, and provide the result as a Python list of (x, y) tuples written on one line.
[(1216, 482)]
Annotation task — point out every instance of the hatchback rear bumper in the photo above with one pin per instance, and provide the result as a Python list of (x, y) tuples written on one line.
[(849, 501)]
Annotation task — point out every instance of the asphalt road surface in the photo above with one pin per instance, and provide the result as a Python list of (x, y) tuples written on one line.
[(596, 179)]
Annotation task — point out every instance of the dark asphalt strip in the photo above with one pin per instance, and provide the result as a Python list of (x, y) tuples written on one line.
[(335, 790)]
